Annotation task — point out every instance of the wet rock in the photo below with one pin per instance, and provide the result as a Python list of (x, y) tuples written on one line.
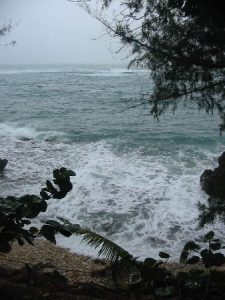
[(3, 163), (213, 181), (25, 139)]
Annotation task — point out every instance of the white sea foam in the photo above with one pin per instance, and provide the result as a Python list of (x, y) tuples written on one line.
[(27, 71), (139, 186), (82, 71), (24, 133), (114, 72), (145, 203), (10, 130)]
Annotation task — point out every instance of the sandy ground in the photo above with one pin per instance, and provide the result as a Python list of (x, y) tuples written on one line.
[(77, 268)]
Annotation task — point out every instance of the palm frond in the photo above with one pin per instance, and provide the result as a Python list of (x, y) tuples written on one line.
[(122, 265), (125, 269), (109, 250)]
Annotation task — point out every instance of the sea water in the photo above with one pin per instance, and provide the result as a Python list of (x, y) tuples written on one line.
[(137, 179)]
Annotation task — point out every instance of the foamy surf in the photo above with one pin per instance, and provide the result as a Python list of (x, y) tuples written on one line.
[(137, 180), (146, 204)]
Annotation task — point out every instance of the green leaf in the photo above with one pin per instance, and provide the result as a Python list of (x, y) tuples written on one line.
[(191, 246), (164, 255), (193, 260), (28, 237), (149, 262), (53, 223), (65, 221), (59, 227), (20, 241), (70, 173), (108, 249), (206, 253), (26, 222), (64, 232), (43, 206), (215, 246), (207, 257), (218, 259), (49, 233), (184, 256), (44, 195), (216, 240), (50, 187), (209, 236), (56, 173), (73, 227), (33, 230)]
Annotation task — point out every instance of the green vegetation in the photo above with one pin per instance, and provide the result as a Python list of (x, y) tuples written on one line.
[(180, 42), (15, 213), (4, 30), (212, 182), (148, 277)]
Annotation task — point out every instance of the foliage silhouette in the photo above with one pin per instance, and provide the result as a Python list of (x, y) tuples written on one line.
[(16, 212), (180, 42), (209, 256), (150, 276)]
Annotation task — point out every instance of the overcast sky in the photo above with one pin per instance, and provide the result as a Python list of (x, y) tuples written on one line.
[(54, 31)]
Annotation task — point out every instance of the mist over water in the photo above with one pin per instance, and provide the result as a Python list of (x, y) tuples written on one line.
[(137, 179)]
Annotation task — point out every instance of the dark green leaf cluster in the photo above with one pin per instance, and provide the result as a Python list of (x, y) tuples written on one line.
[(123, 267), (108, 249), (62, 184), (16, 212), (5, 29), (206, 11), (192, 253), (51, 228), (149, 276), (215, 208), (152, 276), (182, 44)]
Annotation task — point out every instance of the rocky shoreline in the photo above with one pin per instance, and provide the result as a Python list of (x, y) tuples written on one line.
[(212, 181), (3, 164)]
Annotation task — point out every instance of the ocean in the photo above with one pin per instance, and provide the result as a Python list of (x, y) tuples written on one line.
[(137, 179)]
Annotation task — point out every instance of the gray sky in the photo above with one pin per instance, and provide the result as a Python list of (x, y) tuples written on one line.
[(54, 31)]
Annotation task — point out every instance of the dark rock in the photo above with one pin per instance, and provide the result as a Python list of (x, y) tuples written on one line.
[(221, 160), (3, 163), (25, 139), (213, 181)]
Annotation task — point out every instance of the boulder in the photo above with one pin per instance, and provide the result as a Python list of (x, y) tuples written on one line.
[(213, 181), (3, 163)]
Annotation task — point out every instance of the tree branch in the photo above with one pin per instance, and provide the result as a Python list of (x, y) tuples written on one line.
[(169, 97), (184, 60)]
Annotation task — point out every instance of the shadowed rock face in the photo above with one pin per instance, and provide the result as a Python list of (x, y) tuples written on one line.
[(3, 163), (213, 181)]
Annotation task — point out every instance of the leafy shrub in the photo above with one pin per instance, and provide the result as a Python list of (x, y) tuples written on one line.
[(16, 212), (193, 253)]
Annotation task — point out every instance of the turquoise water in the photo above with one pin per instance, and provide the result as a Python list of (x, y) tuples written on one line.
[(137, 179)]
